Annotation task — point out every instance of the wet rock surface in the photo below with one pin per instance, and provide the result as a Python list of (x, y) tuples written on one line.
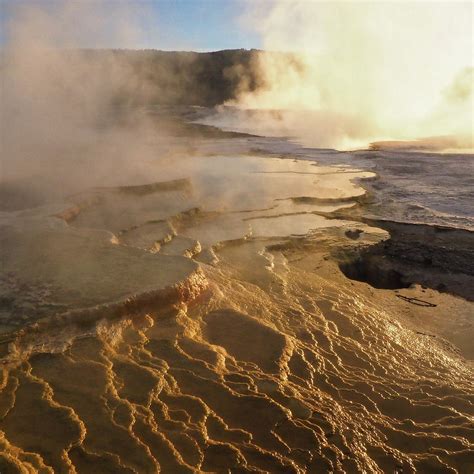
[(47, 272), (300, 377), (189, 325), (437, 257)]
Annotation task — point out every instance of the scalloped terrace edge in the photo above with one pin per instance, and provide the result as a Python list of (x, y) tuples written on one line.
[(138, 304)]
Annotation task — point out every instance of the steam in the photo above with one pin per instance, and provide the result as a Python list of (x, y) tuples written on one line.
[(68, 115), (334, 74), (356, 72)]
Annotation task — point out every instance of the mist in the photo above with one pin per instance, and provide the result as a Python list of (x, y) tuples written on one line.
[(340, 75), (358, 72), (70, 115)]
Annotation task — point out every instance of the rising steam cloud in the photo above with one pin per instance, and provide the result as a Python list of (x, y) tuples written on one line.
[(357, 72), (67, 120), (337, 74)]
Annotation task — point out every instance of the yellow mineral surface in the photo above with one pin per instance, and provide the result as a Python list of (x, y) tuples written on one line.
[(202, 323)]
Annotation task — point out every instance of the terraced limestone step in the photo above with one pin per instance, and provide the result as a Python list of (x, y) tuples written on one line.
[(46, 272)]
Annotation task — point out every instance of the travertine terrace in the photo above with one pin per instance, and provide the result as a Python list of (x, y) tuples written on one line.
[(196, 324)]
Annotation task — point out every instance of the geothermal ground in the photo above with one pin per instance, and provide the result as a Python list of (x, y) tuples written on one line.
[(248, 310)]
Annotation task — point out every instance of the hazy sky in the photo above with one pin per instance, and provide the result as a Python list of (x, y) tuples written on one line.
[(204, 24), (169, 24)]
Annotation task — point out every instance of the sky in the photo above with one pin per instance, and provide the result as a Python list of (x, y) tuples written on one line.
[(199, 25), (203, 24)]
